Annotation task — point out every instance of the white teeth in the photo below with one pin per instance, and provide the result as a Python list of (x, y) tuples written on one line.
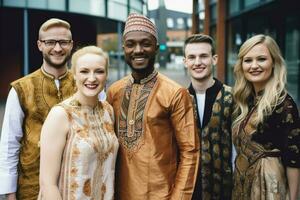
[(91, 86), (138, 59)]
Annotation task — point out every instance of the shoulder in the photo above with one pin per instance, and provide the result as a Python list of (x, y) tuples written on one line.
[(171, 91), (26, 80), (166, 83), (116, 86), (286, 111), (288, 105), (58, 112), (27, 77), (107, 106)]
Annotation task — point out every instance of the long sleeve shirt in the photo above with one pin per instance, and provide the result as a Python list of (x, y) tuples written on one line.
[(11, 135)]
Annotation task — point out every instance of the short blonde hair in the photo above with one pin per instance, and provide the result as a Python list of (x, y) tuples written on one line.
[(52, 23), (89, 50)]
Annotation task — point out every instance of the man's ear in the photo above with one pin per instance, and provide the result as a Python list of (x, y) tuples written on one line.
[(215, 59), (39, 44), (184, 62)]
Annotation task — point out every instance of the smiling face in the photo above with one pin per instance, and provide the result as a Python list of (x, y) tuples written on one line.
[(56, 56), (257, 66), (90, 75), (199, 60), (140, 49)]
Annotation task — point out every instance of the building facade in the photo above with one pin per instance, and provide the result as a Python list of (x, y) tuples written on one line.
[(231, 22), (20, 21)]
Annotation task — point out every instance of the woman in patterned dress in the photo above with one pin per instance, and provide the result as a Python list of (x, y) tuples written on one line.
[(266, 127), (78, 142)]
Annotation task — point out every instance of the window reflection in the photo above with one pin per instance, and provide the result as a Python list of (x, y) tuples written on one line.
[(93, 7)]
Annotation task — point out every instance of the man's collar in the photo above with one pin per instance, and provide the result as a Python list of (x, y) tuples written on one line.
[(146, 79), (51, 76)]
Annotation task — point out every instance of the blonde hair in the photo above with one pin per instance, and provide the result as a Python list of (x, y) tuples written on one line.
[(52, 23), (89, 50), (274, 92)]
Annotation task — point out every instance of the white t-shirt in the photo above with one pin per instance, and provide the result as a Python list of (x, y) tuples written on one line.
[(201, 105)]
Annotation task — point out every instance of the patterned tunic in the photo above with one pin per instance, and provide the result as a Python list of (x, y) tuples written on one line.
[(88, 164), (158, 155), (214, 180), (263, 152), (37, 94)]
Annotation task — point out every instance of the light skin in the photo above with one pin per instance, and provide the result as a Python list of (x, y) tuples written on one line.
[(257, 66), (90, 76), (293, 175), (140, 49), (199, 62), (55, 58)]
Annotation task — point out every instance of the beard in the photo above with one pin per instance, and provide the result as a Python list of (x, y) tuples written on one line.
[(56, 65), (149, 66)]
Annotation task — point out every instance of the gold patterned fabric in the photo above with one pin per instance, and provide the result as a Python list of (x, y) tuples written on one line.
[(88, 162), (260, 164), (158, 154), (214, 180), (37, 93)]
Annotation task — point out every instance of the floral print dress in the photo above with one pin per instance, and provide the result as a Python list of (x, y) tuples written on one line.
[(88, 163)]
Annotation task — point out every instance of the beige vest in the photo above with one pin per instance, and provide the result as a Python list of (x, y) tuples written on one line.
[(37, 94)]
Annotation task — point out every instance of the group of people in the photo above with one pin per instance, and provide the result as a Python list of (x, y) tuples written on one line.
[(150, 138)]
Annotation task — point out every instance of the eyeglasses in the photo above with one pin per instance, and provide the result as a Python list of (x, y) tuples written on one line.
[(52, 43)]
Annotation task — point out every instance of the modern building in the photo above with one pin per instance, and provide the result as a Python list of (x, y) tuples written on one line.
[(92, 21), (231, 22), (173, 27)]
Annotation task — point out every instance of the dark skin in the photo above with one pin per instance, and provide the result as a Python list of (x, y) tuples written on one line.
[(140, 49)]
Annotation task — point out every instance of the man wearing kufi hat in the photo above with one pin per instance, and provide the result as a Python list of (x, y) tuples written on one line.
[(159, 147)]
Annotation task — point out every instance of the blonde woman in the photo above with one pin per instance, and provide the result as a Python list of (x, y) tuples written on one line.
[(266, 130), (78, 142)]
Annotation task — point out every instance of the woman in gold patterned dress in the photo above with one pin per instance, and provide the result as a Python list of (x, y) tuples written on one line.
[(266, 127), (78, 142)]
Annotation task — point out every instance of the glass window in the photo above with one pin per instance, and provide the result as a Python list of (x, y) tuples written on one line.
[(180, 23), (201, 15), (14, 3), (234, 41), (190, 22), (292, 57), (170, 23), (121, 8), (136, 5), (145, 9), (57, 5), (92, 7), (213, 12), (234, 6), (251, 2), (37, 4), (152, 20)]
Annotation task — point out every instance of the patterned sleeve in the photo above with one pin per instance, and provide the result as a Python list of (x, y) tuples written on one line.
[(291, 127)]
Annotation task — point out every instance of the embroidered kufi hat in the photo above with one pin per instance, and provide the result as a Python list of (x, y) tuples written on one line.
[(138, 22)]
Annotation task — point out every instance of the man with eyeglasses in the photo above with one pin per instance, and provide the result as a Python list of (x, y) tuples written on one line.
[(28, 103)]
